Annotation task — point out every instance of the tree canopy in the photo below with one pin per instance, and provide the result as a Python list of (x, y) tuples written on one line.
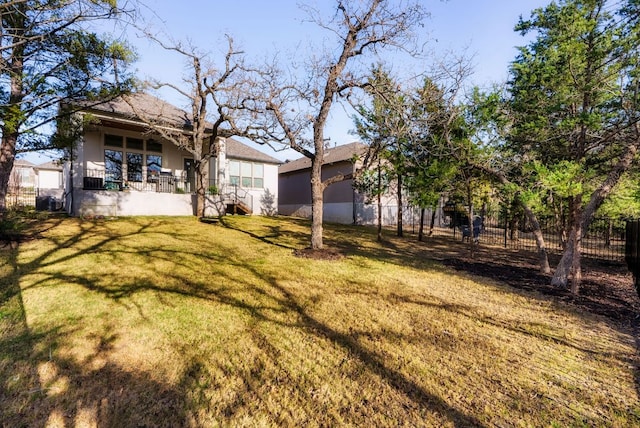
[(49, 55), (574, 100)]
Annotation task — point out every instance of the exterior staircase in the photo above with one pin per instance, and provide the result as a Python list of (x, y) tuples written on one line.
[(236, 200), (237, 207)]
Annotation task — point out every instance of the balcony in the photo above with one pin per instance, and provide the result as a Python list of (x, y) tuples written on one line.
[(158, 182), (234, 198)]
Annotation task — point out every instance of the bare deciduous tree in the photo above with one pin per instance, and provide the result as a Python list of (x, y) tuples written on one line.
[(216, 96), (299, 107)]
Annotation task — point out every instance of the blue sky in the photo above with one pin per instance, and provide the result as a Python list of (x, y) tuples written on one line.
[(481, 28)]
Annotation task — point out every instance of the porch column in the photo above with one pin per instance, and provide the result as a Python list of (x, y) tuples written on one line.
[(221, 164)]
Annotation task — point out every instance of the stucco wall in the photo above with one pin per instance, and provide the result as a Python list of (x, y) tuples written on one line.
[(114, 203), (89, 155), (256, 196), (49, 179)]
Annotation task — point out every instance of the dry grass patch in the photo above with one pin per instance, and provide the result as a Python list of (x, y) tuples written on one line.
[(172, 322)]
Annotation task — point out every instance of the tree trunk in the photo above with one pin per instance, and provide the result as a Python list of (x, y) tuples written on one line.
[(421, 228), (585, 217), (571, 254), (433, 220), (561, 275), (202, 179), (543, 256), (400, 233), (7, 157), (12, 118), (379, 203), (576, 266), (317, 190)]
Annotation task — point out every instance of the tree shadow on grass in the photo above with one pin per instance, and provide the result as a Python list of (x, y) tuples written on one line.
[(40, 387), (40, 390), (272, 235), (282, 298), (376, 363), (115, 396)]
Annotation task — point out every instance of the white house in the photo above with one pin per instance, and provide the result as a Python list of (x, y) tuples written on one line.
[(49, 179), (120, 167)]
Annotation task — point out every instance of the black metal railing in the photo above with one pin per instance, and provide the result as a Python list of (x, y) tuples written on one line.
[(159, 182)]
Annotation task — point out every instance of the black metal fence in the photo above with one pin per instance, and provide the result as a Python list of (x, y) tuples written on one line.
[(21, 196), (605, 238), (632, 250)]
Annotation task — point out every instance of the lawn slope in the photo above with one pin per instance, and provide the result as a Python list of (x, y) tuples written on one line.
[(173, 322)]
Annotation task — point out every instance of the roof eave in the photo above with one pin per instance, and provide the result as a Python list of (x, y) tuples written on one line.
[(133, 121)]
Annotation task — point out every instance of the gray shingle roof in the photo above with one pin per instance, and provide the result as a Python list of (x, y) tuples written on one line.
[(238, 150), (22, 162), (331, 155), (146, 105), (51, 165)]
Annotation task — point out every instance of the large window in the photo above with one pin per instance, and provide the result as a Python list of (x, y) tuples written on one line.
[(113, 140), (136, 163), (258, 175), (246, 174), (154, 166), (234, 173), (112, 166), (134, 166), (246, 177), (135, 144), (154, 146)]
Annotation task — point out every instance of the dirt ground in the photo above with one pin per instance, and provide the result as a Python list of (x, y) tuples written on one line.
[(607, 287)]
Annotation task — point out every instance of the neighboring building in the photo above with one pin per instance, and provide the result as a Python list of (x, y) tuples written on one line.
[(121, 167), (49, 179), (21, 190), (22, 176), (342, 203), (28, 181)]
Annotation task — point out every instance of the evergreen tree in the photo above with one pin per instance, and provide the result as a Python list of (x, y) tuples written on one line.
[(49, 56), (575, 103)]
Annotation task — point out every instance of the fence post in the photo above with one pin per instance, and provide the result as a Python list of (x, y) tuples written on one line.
[(632, 239), (505, 216)]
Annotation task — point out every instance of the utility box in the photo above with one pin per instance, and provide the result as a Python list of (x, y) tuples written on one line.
[(47, 203)]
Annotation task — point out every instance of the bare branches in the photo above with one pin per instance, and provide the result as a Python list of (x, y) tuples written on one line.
[(223, 102), (300, 106), (360, 28)]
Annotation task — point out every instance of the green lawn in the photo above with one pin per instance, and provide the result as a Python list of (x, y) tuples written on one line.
[(172, 322)]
